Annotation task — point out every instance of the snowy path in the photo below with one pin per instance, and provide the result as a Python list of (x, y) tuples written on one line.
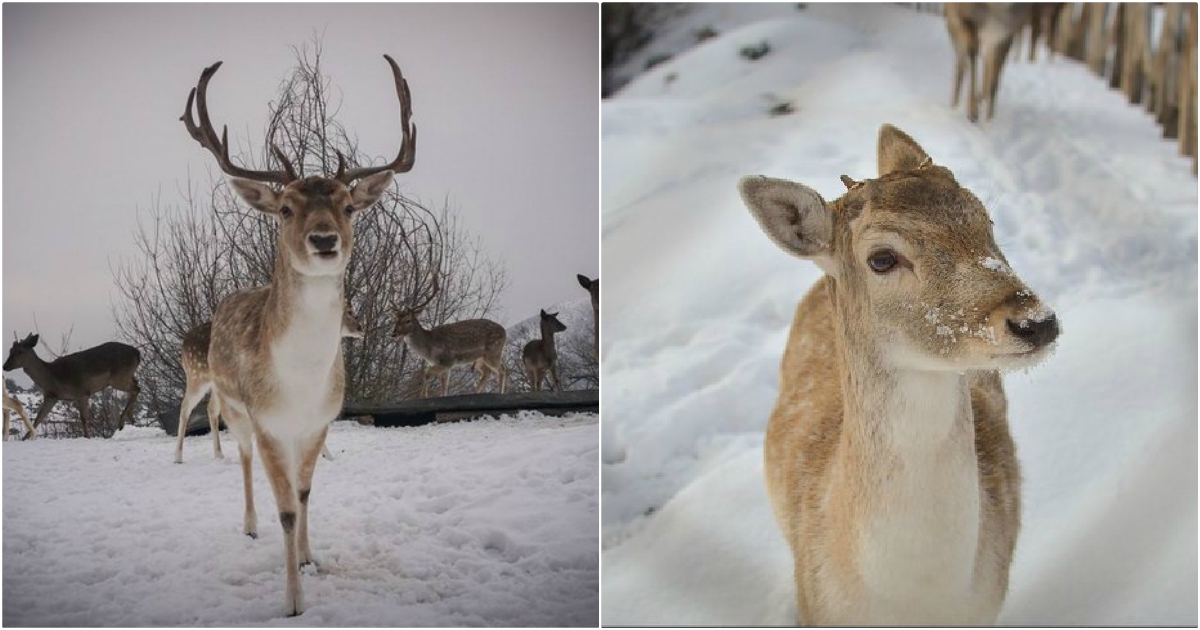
[(1092, 208), (483, 523)]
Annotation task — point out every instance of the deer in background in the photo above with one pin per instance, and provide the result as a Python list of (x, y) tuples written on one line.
[(78, 375), (479, 342), (593, 289), (988, 28), (540, 356), (888, 460), (194, 359), (15, 406), (276, 354)]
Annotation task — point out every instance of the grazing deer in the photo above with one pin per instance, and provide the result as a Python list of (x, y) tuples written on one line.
[(15, 406), (888, 460), (194, 358), (479, 342), (276, 354), (79, 375), (989, 27), (593, 288), (540, 355)]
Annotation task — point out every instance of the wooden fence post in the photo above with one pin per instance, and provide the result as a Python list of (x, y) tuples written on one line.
[(1118, 39), (1097, 41)]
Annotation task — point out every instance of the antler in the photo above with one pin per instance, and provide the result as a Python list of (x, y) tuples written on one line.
[(219, 147), (408, 146)]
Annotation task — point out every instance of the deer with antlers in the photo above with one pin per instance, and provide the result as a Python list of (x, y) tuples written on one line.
[(987, 27), (593, 289), (194, 359), (78, 375), (14, 406), (540, 356), (275, 352), (478, 342)]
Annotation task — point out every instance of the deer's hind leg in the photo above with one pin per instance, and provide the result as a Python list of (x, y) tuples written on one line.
[(6, 423), (191, 396), (992, 69), (82, 405), (133, 389), (214, 424)]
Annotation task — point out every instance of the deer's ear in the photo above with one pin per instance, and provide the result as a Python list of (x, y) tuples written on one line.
[(583, 281), (31, 341), (792, 215), (897, 151), (258, 195), (368, 190)]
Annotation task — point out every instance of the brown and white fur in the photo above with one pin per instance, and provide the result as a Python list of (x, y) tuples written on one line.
[(540, 356), (479, 342), (888, 459), (276, 352), (194, 359), (987, 27), (13, 405)]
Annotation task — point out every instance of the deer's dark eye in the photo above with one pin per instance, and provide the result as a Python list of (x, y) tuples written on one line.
[(349, 210), (883, 261), (285, 211)]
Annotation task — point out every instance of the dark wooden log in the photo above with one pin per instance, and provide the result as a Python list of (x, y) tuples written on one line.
[(408, 413), (197, 422)]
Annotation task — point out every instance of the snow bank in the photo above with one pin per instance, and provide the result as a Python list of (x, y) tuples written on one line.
[(1091, 208), (490, 522)]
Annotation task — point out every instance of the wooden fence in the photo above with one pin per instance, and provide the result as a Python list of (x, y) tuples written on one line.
[(1147, 51)]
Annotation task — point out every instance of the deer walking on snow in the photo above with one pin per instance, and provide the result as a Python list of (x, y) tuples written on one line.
[(78, 375), (540, 356), (987, 27), (479, 342), (888, 460), (276, 354), (13, 405)]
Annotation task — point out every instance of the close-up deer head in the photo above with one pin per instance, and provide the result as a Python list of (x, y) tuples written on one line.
[(914, 262), (315, 213)]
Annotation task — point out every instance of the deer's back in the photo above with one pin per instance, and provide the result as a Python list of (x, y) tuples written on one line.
[(88, 371), (465, 341)]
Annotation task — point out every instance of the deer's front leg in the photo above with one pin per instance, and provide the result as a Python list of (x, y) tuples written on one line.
[(6, 424), (308, 464), (48, 403), (275, 461), (82, 404)]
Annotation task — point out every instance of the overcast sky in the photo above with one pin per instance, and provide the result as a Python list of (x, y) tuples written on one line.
[(506, 98)]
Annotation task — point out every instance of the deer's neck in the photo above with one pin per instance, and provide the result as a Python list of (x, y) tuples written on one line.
[(548, 339), (910, 470), (40, 372), (420, 341), (305, 314)]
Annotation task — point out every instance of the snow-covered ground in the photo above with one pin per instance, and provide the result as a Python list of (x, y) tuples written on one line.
[(1092, 209), (491, 522)]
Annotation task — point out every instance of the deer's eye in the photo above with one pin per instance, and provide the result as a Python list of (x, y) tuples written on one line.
[(883, 261), (349, 210), (285, 212)]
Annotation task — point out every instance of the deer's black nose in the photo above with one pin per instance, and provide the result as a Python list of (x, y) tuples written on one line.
[(323, 242), (1036, 333)]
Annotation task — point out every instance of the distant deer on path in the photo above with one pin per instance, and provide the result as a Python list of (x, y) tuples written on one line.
[(13, 405), (593, 288), (479, 342), (78, 375), (540, 356), (986, 28), (888, 460)]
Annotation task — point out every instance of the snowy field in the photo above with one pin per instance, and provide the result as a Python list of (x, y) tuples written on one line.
[(1091, 207), (490, 522)]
